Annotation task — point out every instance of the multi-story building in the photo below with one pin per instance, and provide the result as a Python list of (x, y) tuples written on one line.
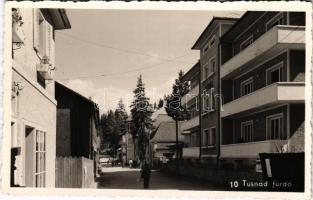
[(208, 44), (262, 81), (190, 128), (33, 106)]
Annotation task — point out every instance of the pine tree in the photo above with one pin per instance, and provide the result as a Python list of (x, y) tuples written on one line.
[(141, 111), (160, 104), (121, 117), (173, 107)]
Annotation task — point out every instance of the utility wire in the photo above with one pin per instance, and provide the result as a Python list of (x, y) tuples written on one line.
[(120, 49), (123, 72)]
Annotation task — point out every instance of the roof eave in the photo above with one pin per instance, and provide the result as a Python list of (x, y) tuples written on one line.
[(64, 23)]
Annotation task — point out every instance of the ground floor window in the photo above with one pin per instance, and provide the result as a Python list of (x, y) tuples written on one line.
[(247, 131), (205, 137), (275, 127), (208, 138), (40, 168)]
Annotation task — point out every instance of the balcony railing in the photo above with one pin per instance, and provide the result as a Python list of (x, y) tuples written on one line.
[(273, 94), (193, 122), (251, 149), (191, 152), (273, 41), (191, 94)]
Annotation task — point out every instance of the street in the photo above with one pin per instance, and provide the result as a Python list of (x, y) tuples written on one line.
[(126, 178)]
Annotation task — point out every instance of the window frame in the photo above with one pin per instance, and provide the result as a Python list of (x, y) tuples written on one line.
[(242, 128), (269, 119), (212, 39), (205, 137), (249, 40), (213, 58), (277, 17), (243, 84), (279, 65), (212, 138), (40, 151)]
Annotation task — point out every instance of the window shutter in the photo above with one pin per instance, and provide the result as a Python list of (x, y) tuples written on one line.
[(51, 45), (47, 39), (42, 33), (36, 29)]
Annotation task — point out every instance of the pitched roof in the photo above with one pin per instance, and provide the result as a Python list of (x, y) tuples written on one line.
[(166, 132), (209, 26)]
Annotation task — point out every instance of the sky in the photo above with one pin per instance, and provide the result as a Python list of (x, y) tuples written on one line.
[(105, 51)]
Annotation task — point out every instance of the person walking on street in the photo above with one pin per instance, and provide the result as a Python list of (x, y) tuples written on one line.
[(145, 175)]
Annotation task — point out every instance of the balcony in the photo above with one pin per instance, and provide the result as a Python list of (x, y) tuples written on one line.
[(272, 42), (191, 94), (273, 94), (188, 124), (191, 152), (251, 149)]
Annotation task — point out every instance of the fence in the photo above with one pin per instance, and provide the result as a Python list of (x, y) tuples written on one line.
[(74, 172)]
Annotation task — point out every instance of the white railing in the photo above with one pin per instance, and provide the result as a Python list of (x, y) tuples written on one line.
[(191, 152), (193, 122), (274, 93), (191, 94), (251, 149), (276, 38)]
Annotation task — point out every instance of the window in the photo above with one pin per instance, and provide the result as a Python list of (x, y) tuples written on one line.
[(43, 37), (275, 127), (40, 153), (246, 43), (277, 20), (193, 140), (209, 100), (206, 71), (212, 65), (205, 137), (246, 86), (247, 131), (205, 49), (211, 137), (212, 42), (274, 74), (194, 82)]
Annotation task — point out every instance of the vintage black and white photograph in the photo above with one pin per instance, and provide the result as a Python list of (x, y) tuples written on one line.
[(157, 99)]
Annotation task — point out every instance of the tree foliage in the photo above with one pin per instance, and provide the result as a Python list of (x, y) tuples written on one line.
[(141, 112), (114, 125), (174, 106)]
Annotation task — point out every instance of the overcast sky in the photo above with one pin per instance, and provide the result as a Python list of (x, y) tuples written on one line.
[(104, 52)]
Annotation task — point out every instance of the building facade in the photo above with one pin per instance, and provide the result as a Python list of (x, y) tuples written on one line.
[(262, 81), (77, 129), (163, 138), (33, 105), (191, 128), (208, 44), (77, 124)]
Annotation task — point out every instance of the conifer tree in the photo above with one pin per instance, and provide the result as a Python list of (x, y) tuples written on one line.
[(174, 106), (141, 112)]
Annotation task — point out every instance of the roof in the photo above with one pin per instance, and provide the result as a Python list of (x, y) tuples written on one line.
[(196, 45), (57, 84), (160, 116), (59, 18), (165, 132), (191, 70), (158, 112), (247, 18)]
